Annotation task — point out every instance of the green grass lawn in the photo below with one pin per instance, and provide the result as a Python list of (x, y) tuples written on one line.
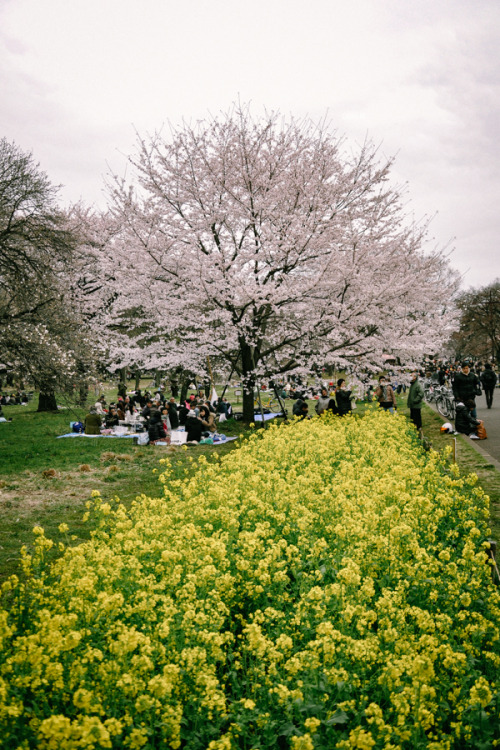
[(30, 453)]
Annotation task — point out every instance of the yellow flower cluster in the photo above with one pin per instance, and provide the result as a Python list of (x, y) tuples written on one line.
[(325, 585)]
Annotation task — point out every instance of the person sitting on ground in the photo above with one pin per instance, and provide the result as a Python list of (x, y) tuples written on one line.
[(209, 405), (384, 394), (128, 406), (194, 427), (343, 397), (111, 419), (173, 414), (465, 422), (222, 407), (165, 417), (92, 422), (207, 419), (98, 408), (183, 413), (300, 409), (146, 412), (156, 430)]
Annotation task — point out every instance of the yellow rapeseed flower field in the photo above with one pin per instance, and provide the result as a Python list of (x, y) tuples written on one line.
[(325, 585)]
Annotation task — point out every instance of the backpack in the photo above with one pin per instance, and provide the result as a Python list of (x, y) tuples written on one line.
[(77, 427)]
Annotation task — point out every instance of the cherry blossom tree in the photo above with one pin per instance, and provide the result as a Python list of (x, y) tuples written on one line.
[(267, 243)]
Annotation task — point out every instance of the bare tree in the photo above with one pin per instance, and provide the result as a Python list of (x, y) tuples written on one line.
[(36, 248), (479, 332)]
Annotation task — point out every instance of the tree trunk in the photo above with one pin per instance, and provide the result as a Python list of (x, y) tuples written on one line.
[(247, 364), (137, 379), (248, 406), (184, 389), (47, 400), (83, 394)]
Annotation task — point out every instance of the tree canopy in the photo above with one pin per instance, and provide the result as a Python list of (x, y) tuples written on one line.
[(267, 243)]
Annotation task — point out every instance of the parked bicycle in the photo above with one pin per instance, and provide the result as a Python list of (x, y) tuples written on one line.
[(445, 402), (269, 400), (430, 390)]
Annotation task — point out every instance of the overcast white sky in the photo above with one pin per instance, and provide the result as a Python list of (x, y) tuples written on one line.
[(419, 77)]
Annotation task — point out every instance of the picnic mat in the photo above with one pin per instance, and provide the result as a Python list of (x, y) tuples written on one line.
[(258, 417), (82, 434)]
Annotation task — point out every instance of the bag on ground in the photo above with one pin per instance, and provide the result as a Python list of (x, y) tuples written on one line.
[(481, 431)]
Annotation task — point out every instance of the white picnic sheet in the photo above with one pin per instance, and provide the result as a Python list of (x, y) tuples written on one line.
[(267, 417), (82, 434)]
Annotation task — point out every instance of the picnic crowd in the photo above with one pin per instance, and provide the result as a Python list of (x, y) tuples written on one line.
[(158, 415)]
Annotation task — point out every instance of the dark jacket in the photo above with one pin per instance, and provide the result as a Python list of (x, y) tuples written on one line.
[(488, 378), (194, 428), (464, 421), (111, 420), (464, 386), (173, 416), (343, 401), (297, 407), (182, 413), (156, 431), (415, 398)]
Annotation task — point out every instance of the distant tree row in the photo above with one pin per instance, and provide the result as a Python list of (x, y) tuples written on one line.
[(263, 244), (478, 334)]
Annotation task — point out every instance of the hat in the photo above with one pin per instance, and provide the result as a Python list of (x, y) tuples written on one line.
[(447, 427)]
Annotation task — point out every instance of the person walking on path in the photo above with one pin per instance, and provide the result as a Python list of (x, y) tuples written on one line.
[(415, 400), (488, 381)]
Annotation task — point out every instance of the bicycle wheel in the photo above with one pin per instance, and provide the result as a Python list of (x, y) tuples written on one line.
[(274, 406), (441, 406), (451, 407)]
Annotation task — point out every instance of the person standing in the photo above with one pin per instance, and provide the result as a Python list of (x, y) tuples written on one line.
[(466, 386), (415, 400), (488, 380), (343, 397), (384, 394), (323, 402)]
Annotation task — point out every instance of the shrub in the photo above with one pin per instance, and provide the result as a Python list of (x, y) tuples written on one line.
[(323, 586)]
